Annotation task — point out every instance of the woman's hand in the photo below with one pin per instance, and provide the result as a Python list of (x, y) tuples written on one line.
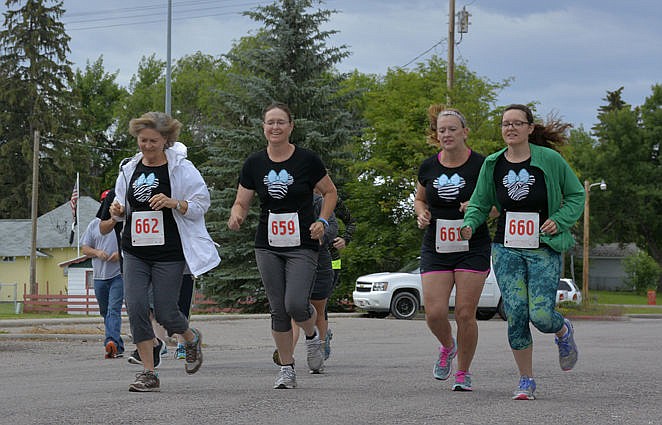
[(423, 220), (235, 221), (116, 210), (317, 231), (466, 233), (549, 227), (339, 243), (160, 201)]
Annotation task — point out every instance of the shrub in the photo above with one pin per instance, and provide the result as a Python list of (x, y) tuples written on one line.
[(642, 272)]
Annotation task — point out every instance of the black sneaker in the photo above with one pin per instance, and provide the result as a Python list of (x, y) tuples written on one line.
[(157, 352), (134, 358), (146, 381)]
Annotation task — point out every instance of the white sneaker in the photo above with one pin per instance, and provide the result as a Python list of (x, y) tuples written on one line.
[(287, 378)]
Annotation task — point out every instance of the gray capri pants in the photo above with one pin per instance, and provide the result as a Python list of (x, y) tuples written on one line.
[(165, 280), (288, 278)]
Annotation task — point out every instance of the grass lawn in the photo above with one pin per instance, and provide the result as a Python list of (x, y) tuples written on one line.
[(617, 297), (612, 303), (7, 311)]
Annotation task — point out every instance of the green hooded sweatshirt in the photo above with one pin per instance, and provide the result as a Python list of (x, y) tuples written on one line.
[(565, 195)]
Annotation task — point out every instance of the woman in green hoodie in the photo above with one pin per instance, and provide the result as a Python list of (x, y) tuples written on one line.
[(539, 198)]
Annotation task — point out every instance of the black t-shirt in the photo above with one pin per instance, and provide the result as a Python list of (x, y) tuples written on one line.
[(145, 183), (519, 188), (445, 189), (284, 187)]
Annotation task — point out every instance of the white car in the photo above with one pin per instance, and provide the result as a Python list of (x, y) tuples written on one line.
[(400, 293), (568, 292)]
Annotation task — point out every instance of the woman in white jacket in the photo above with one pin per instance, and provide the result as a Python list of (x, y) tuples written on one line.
[(162, 198)]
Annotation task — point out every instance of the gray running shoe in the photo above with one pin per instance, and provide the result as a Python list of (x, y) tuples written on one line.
[(443, 366), (287, 378), (315, 357), (568, 352), (193, 353), (146, 381)]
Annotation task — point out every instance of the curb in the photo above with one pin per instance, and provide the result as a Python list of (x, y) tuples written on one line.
[(17, 323)]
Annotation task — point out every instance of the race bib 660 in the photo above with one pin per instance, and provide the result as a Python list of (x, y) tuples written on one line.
[(522, 230)]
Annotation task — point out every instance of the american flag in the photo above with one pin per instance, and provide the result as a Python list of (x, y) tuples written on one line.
[(74, 203)]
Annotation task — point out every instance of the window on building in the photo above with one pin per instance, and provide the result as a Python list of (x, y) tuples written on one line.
[(8, 259)]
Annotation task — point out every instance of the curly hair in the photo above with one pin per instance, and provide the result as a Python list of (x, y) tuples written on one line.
[(166, 125), (552, 134)]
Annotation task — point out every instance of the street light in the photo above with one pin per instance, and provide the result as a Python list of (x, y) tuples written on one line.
[(587, 188)]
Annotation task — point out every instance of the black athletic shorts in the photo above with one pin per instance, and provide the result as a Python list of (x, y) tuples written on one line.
[(476, 260)]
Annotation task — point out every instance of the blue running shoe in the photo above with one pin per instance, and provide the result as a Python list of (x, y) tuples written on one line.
[(568, 352), (527, 386), (442, 367)]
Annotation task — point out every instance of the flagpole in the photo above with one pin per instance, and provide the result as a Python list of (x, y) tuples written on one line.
[(78, 215)]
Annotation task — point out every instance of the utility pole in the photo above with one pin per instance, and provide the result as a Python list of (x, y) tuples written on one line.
[(450, 69), (35, 197), (168, 107)]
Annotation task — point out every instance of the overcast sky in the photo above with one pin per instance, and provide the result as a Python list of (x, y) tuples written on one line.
[(564, 54)]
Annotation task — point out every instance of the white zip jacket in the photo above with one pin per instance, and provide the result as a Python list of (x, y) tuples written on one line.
[(186, 184)]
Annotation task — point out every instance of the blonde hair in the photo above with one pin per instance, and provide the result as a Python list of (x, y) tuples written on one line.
[(166, 125), (434, 112)]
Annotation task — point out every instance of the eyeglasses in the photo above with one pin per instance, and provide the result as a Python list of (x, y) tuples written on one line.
[(278, 123), (515, 124)]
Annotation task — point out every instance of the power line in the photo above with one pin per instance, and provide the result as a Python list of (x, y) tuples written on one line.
[(127, 11), (422, 54), (129, 18)]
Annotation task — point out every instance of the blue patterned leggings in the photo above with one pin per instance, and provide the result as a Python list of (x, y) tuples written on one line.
[(528, 279)]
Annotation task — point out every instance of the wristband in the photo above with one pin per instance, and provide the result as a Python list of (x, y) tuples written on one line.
[(323, 221)]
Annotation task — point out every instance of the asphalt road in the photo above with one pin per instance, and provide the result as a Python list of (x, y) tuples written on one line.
[(380, 372)]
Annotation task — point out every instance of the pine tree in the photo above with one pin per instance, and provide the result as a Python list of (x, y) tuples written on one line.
[(34, 75), (289, 61)]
